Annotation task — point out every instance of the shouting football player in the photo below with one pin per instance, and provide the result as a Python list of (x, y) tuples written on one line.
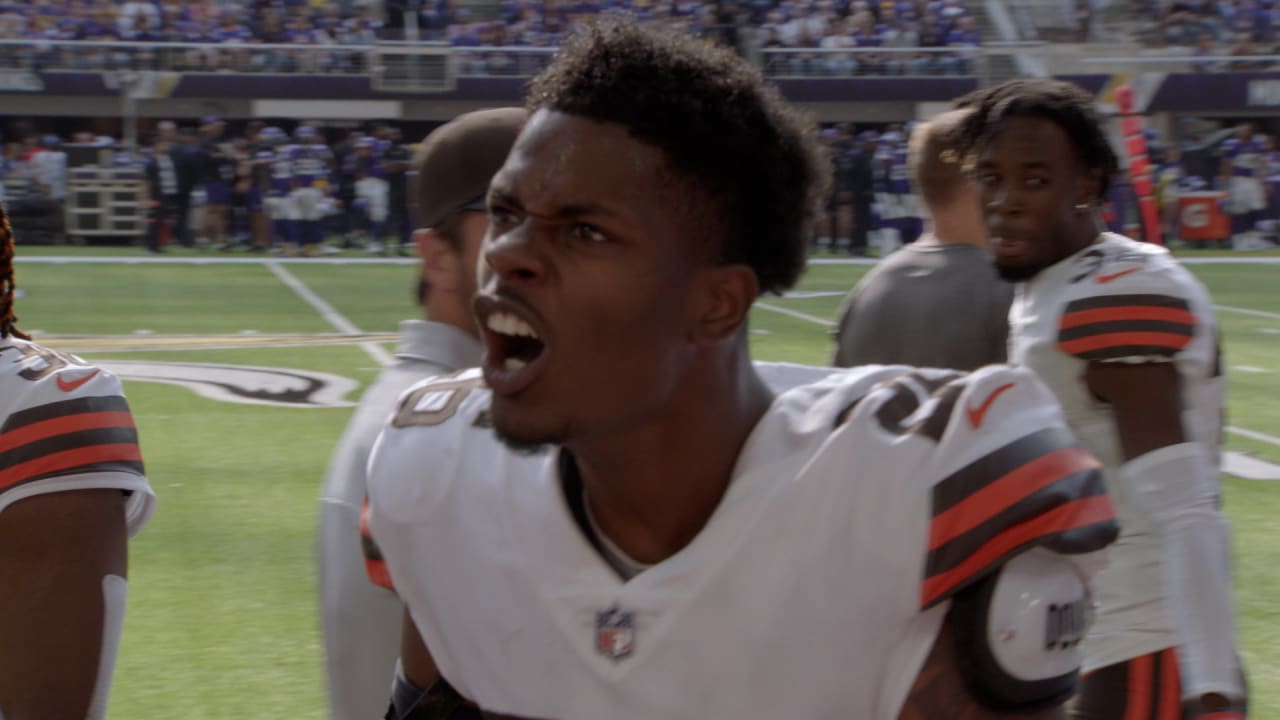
[(1126, 339), (616, 516), (72, 491), (362, 622)]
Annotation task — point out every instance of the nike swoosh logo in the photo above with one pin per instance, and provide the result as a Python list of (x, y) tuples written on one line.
[(978, 414), (69, 385), (1104, 279)]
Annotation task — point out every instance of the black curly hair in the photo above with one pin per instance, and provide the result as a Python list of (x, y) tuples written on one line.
[(1065, 104), (725, 132), (8, 326)]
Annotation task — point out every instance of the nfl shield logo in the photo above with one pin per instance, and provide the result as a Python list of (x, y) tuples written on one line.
[(615, 632)]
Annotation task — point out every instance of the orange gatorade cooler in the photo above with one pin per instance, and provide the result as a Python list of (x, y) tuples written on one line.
[(1200, 216)]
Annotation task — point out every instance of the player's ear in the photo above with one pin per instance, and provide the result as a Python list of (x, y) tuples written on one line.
[(1090, 190), (439, 261), (730, 290)]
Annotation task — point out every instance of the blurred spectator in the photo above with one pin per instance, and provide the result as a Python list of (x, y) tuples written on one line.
[(1081, 18), (1244, 48), (1183, 26), (1205, 49), (162, 193)]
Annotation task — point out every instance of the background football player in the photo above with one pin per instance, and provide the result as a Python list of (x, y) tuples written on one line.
[(362, 623), (1127, 340), (312, 167), (932, 303), (1241, 175), (72, 491), (217, 171)]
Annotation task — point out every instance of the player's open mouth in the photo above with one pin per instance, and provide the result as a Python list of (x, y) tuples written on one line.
[(514, 350), (1008, 244)]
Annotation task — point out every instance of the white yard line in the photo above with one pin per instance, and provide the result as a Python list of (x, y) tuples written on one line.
[(806, 294), (844, 261), (212, 260), (1254, 435), (794, 313), (1248, 260), (1247, 311), (329, 313)]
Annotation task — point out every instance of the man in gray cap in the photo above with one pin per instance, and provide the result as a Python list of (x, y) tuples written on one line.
[(362, 621)]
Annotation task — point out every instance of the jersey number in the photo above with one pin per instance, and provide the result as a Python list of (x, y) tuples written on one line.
[(52, 361), (434, 403)]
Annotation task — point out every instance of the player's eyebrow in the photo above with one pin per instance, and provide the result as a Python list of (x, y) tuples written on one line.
[(562, 212), (497, 195)]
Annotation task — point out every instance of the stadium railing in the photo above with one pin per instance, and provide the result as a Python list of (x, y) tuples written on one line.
[(870, 61), (1181, 60), (433, 66), (83, 55), (501, 60)]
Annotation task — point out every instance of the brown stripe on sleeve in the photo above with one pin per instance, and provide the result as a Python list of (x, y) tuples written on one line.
[(1110, 327)]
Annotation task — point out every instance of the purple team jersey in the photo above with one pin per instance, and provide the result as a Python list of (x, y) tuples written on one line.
[(310, 165), (280, 171), (1245, 156), (899, 178)]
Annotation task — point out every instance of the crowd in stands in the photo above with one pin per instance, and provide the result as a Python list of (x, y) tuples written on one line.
[(1245, 29), (893, 37), (204, 22), (799, 37), (197, 21), (810, 37)]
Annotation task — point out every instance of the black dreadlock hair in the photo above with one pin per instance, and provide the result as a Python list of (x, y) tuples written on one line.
[(1065, 104), (727, 134), (8, 321)]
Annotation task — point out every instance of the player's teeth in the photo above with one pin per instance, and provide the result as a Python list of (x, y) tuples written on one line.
[(510, 325), (514, 364), (497, 323), (523, 329)]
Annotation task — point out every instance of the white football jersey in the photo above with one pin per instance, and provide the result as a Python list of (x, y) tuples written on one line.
[(65, 425), (860, 503), (1122, 301)]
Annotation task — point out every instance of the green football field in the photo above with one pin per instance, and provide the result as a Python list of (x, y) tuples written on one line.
[(222, 616)]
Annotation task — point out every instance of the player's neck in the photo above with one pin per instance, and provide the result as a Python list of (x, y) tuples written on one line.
[(441, 308), (652, 488), (958, 226)]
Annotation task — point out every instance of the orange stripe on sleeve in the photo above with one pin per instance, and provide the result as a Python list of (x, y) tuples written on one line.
[(1068, 516), (1170, 707), (378, 574), (1172, 341), (34, 432), (1125, 312), (1006, 492), (375, 568), (69, 460), (1137, 704)]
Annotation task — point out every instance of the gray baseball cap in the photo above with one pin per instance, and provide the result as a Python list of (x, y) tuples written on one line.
[(455, 163)]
